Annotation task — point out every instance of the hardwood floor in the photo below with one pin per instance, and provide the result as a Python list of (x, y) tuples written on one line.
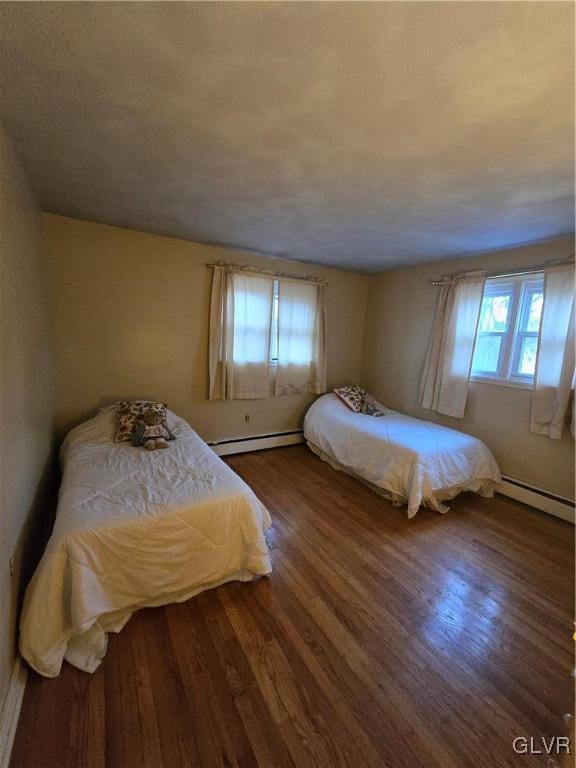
[(378, 641)]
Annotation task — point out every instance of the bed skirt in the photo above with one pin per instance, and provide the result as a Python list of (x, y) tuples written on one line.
[(433, 499)]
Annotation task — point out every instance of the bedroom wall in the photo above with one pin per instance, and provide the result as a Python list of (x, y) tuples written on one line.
[(131, 315), (26, 392), (400, 313)]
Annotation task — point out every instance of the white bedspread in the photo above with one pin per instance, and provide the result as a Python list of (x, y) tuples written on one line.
[(411, 461), (133, 529)]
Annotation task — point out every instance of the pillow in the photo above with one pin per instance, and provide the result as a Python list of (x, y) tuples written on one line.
[(353, 397), (129, 413)]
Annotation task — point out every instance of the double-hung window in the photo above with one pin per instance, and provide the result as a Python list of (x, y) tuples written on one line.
[(267, 334), (508, 328)]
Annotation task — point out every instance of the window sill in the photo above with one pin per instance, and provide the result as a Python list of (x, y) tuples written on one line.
[(501, 382)]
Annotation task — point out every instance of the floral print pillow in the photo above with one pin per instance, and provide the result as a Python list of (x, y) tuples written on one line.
[(353, 397), (129, 413)]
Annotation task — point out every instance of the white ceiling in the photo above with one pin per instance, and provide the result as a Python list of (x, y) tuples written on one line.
[(359, 135)]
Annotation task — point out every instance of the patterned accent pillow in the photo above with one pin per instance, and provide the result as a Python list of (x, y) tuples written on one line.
[(129, 413), (353, 397)]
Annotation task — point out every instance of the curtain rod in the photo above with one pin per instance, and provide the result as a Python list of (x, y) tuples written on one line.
[(264, 271), (508, 273)]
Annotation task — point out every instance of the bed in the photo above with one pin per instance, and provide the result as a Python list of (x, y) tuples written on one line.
[(407, 460), (135, 528)]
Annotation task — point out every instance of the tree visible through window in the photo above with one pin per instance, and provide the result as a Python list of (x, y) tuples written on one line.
[(508, 327)]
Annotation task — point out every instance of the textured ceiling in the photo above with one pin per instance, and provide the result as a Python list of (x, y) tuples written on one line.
[(358, 135)]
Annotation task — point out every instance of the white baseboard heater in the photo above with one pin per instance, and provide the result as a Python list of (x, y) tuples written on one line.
[(559, 506), (256, 442), (514, 489)]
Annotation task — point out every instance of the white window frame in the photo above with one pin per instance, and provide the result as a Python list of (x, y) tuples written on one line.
[(519, 288)]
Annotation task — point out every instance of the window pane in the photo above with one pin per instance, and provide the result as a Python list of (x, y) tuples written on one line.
[(494, 313), (486, 354), (274, 329), (534, 312), (527, 364)]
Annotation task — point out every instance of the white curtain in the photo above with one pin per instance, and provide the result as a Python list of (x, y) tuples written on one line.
[(444, 385), (554, 377), (240, 322), (301, 337)]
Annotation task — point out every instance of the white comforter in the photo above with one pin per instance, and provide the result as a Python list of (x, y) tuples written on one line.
[(133, 529), (411, 461)]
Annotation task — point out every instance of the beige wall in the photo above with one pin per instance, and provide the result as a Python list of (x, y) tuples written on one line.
[(131, 318), (26, 391), (400, 313), (131, 315)]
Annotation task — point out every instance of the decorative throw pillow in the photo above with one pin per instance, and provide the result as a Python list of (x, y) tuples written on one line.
[(353, 397), (129, 413)]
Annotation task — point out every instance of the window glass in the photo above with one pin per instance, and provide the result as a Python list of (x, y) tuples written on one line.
[(274, 328), (534, 312), (494, 313), (527, 364), (487, 354)]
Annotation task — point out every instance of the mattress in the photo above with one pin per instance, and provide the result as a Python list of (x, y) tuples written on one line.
[(135, 528), (408, 460)]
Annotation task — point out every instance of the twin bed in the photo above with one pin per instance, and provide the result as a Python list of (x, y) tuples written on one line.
[(135, 528), (407, 460), (139, 528)]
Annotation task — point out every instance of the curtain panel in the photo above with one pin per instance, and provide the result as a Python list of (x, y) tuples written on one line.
[(444, 386), (554, 376), (301, 366), (239, 345)]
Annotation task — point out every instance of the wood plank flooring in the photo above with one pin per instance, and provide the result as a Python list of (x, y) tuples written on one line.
[(378, 641)]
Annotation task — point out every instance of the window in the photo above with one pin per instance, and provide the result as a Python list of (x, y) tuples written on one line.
[(508, 327), (274, 326), (267, 334)]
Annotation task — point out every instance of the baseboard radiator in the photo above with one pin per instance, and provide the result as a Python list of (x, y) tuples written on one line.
[(256, 442), (514, 489), (548, 502)]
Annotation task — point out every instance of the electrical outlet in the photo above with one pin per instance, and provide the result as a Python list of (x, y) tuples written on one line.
[(11, 566), (246, 417)]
